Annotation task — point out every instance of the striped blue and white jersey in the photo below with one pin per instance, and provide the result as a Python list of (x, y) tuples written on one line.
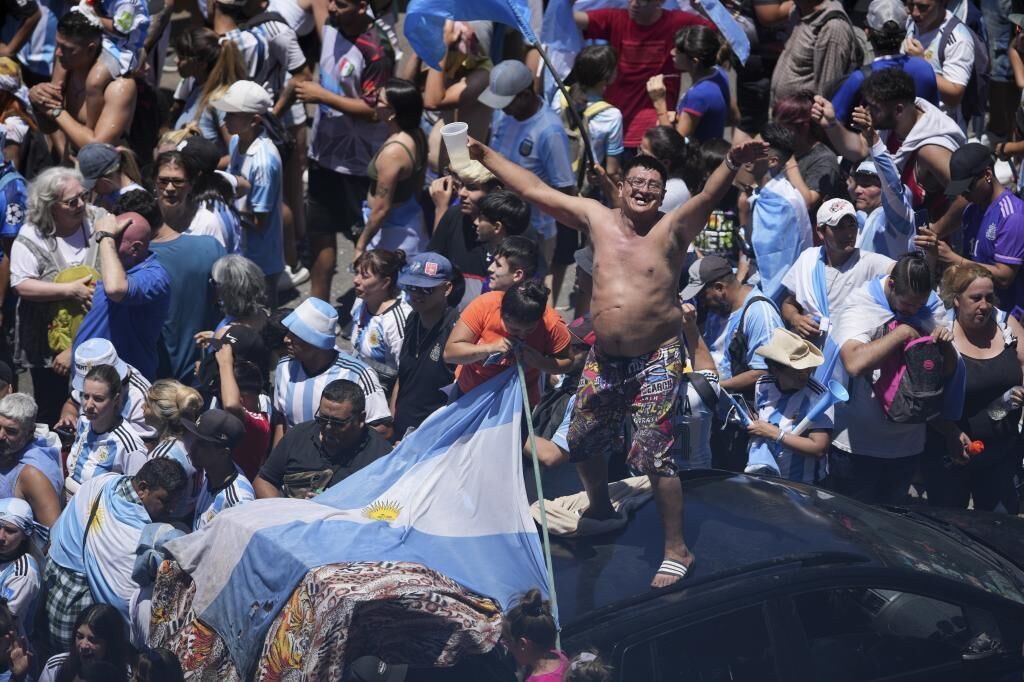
[(118, 451), (786, 410), (216, 219), (272, 53), (20, 583), (176, 449), (377, 339), (210, 503), (261, 166), (297, 395)]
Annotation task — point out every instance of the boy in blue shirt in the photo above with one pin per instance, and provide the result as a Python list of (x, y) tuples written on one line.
[(255, 158)]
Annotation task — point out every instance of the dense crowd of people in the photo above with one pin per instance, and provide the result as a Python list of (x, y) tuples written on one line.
[(802, 264)]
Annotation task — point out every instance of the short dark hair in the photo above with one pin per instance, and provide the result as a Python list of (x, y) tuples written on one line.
[(520, 253), (648, 162), (666, 143), (142, 202), (779, 137), (525, 302), (162, 473), (889, 40), (158, 665), (506, 206), (76, 26), (888, 86), (594, 63), (911, 275), (406, 101), (345, 391)]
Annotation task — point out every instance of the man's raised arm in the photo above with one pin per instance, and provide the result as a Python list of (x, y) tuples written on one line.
[(691, 217), (569, 210)]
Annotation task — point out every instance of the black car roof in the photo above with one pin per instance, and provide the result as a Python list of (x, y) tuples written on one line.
[(736, 523)]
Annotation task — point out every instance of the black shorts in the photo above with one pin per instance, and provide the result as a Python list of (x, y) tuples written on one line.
[(334, 202), (567, 243)]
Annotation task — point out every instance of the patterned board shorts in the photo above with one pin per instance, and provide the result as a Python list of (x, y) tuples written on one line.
[(644, 389), (67, 596)]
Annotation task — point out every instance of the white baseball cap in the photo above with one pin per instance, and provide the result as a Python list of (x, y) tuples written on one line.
[(834, 210), (244, 97), (92, 353)]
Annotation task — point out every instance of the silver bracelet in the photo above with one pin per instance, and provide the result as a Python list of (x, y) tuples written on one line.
[(730, 164), (782, 434)]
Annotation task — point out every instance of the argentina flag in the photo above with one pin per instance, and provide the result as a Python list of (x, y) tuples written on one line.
[(450, 497), (424, 22)]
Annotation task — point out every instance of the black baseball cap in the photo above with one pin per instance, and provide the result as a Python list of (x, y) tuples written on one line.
[(372, 669), (217, 427), (202, 154), (965, 166), (246, 344), (703, 272)]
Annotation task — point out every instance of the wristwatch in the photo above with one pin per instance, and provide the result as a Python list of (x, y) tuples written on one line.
[(55, 112), (100, 236)]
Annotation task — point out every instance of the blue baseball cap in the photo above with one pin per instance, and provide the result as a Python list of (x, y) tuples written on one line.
[(426, 270)]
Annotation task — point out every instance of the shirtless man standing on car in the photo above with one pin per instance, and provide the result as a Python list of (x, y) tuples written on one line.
[(635, 367)]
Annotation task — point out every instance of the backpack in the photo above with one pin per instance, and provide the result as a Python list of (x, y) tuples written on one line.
[(577, 151), (910, 383), (975, 100), (739, 344)]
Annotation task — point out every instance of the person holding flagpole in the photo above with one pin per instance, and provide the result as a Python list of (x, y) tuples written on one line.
[(636, 364)]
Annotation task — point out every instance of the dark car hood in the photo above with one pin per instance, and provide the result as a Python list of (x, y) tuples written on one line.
[(1001, 532)]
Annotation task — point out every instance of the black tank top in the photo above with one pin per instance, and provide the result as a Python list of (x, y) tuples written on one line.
[(987, 380)]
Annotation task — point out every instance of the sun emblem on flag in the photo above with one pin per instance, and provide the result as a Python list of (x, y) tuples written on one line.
[(383, 510)]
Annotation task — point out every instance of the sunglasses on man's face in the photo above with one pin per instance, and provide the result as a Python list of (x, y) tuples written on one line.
[(325, 422)]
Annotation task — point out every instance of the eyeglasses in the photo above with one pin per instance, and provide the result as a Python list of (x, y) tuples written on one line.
[(422, 291), (640, 183), (74, 201), (176, 182), (332, 422)]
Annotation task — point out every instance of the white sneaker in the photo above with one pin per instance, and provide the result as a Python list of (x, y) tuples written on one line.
[(289, 279)]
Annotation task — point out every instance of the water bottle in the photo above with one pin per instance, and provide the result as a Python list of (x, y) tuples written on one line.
[(1002, 405)]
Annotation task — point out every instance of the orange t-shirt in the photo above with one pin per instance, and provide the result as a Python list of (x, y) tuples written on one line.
[(483, 317)]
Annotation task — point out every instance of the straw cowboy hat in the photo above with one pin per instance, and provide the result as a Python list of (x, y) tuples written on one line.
[(786, 348)]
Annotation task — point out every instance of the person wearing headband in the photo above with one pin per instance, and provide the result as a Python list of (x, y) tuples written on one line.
[(19, 572)]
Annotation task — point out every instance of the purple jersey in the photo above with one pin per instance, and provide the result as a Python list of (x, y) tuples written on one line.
[(997, 236)]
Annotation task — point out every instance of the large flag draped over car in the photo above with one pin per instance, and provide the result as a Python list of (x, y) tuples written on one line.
[(424, 22), (450, 497)]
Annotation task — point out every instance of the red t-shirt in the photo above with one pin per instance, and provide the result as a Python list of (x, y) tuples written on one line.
[(252, 451), (643, 51), (483, 317)]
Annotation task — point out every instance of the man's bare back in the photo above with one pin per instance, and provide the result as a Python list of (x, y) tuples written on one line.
[(634, 305)]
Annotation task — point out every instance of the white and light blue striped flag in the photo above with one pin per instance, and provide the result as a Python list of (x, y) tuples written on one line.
[(424, 22), (450, 497)]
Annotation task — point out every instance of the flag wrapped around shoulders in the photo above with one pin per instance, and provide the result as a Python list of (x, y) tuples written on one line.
[(868, 310), (450, 497), (424, 22), (776, 238)]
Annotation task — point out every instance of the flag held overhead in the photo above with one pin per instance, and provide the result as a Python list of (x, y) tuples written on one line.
[(424, 22)]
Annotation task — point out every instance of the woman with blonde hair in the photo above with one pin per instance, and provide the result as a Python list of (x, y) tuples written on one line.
[(169, 404), (208, 65), (988, 340), (109, 172)]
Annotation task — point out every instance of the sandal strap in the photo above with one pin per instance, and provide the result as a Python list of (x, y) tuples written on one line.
[(671, 567)]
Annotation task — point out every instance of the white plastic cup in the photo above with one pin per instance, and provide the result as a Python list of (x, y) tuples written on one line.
[(455, 136)]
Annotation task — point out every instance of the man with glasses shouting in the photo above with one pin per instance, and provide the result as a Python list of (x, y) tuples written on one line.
[(636, 365), (319, 453)]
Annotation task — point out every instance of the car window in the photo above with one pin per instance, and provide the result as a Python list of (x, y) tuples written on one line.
[(734, 646), (861, 633)]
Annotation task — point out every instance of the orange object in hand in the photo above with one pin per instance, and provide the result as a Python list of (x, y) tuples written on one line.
[(975, 448)]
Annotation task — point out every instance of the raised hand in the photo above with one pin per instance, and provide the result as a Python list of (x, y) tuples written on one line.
[(748, 152), (822, 112)]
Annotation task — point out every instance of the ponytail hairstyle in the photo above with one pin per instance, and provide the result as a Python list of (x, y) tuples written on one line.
[(382, 263), (525, 302), (531, 619), (911, 275), (128, 164), (221, 58), (702, 44), (169, 402)]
